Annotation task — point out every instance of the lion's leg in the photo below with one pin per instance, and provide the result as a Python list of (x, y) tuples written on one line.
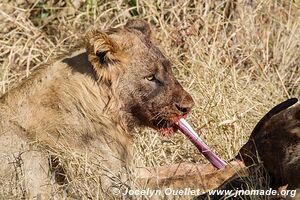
[(188, 175), (24, 171), (36, 175)]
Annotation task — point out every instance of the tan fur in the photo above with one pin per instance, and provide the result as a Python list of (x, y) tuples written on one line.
[(88, 103)]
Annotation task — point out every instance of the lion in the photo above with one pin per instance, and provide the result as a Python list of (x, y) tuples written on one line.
[(88, 103)]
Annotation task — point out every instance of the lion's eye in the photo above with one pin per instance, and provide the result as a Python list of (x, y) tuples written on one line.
[(150, 78)]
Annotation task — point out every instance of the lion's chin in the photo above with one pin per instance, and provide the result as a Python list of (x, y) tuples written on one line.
[(167, 131)]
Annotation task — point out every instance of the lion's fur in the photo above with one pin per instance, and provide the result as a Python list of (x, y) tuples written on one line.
[(49, 106), (88, 103)]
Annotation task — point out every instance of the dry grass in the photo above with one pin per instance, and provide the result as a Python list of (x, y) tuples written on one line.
[(237, 58)]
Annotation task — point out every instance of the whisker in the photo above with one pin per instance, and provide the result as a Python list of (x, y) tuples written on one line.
[(161, 120), (157, 116)]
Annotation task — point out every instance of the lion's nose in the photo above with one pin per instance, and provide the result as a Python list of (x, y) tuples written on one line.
[(185, 105)]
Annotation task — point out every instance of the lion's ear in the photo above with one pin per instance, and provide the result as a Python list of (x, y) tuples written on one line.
[(140, 25), (103, 53)]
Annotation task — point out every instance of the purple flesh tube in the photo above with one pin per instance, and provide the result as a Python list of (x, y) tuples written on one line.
[(188, 131)]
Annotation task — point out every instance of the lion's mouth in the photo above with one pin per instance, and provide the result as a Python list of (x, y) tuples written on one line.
[(164, 126)]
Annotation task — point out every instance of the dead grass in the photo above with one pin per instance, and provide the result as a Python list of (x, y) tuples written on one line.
[(237, 58)]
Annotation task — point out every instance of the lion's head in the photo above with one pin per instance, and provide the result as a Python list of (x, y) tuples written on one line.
[(141, 74)]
